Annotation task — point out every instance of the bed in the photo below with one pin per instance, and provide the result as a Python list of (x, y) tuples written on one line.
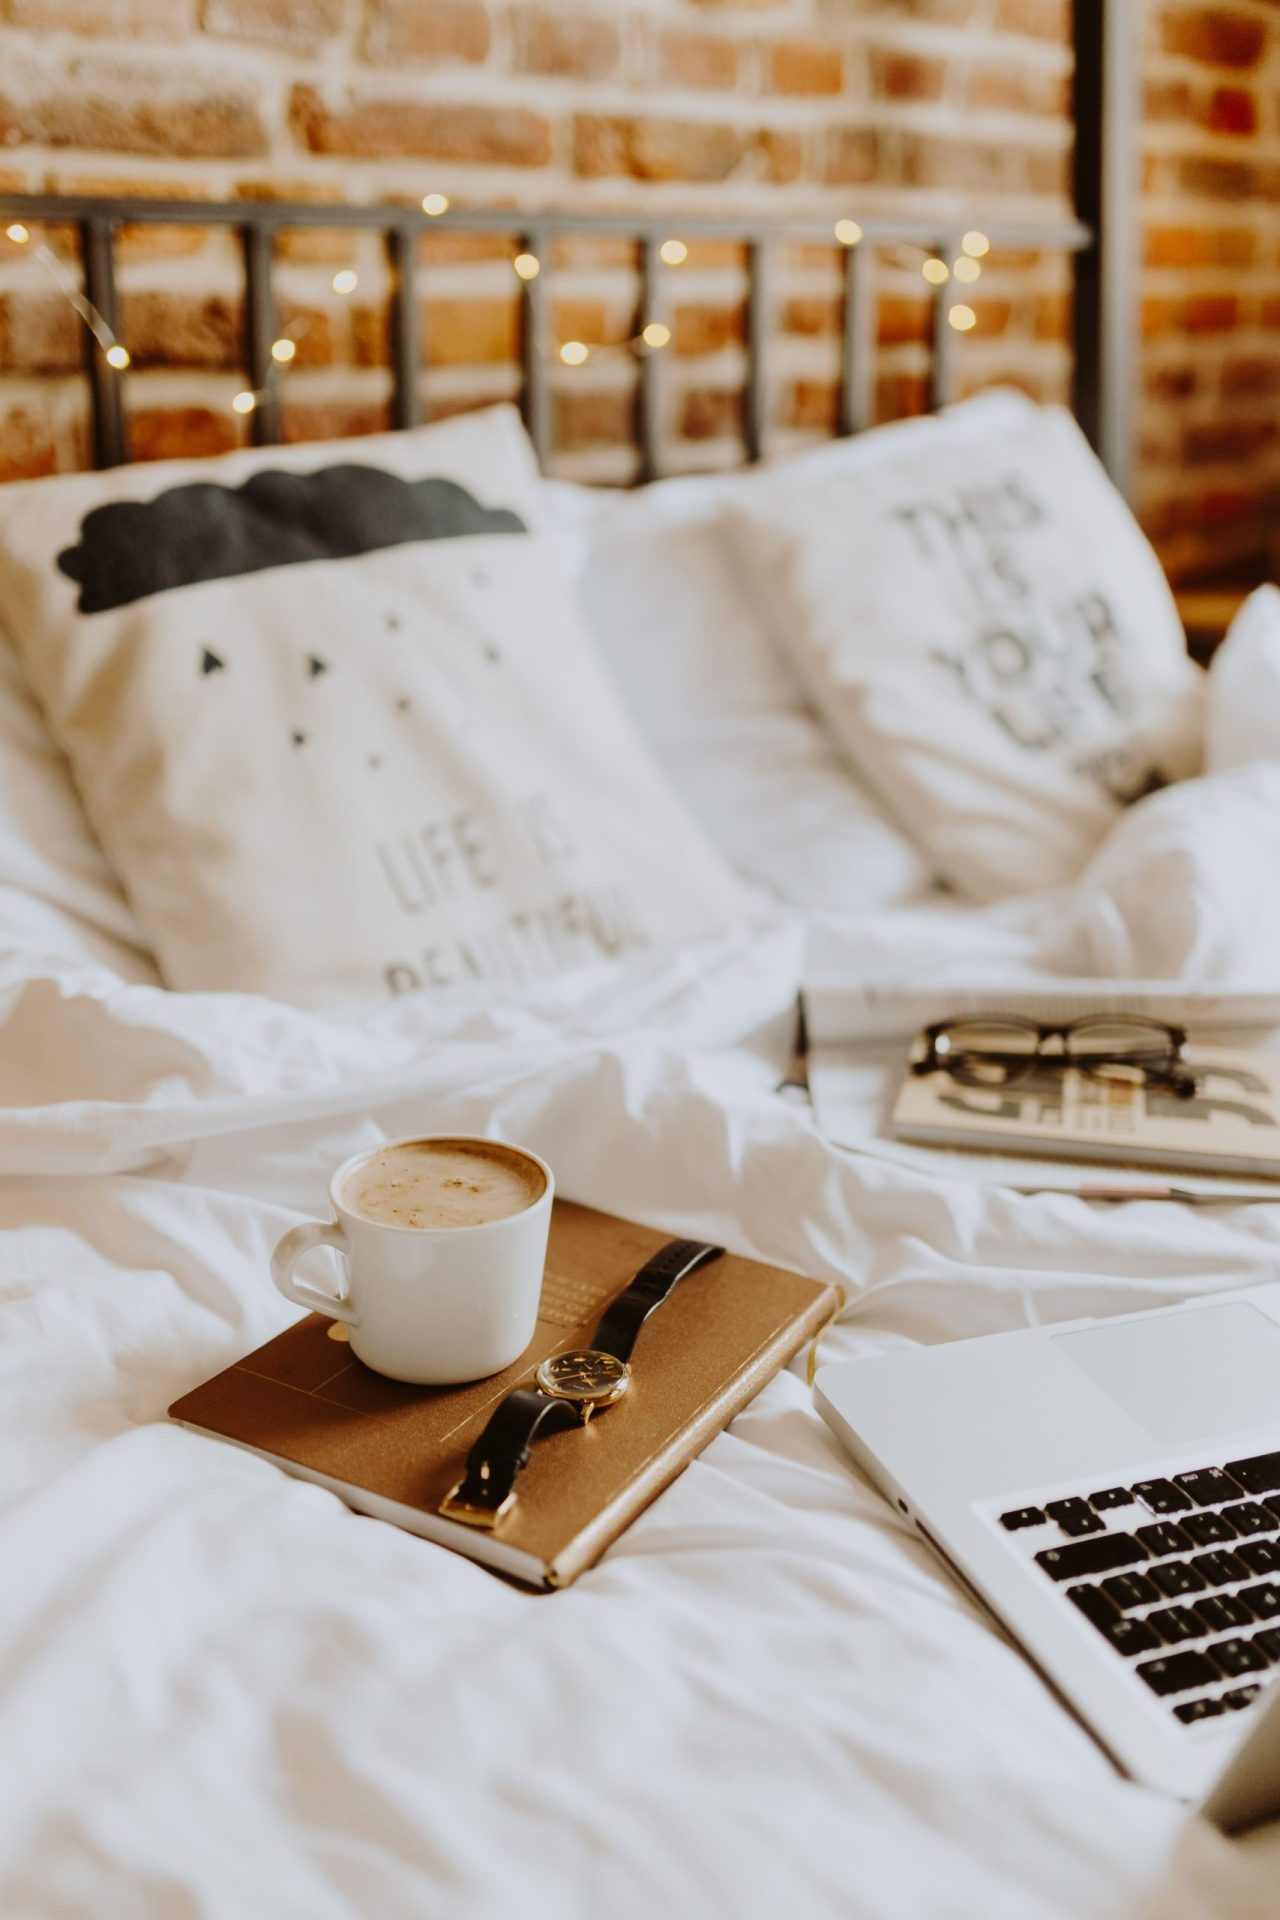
[(224, 1694)]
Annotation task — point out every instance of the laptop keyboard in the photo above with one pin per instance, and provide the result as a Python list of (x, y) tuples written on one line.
[(1180, 1576)]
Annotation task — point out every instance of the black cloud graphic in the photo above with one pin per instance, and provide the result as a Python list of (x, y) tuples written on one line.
[(133, 548)]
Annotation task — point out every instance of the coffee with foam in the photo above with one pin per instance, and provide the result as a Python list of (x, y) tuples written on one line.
[(434, 1184)]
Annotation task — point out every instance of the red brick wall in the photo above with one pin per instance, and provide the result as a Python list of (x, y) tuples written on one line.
[(823, 106), (1210, 418)]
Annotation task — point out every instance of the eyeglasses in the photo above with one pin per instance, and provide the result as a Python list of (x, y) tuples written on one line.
[(999, 1050)]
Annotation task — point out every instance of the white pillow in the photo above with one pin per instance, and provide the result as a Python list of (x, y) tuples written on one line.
[(337, 723), (718, 703), (1243, 720), (990, 639), (58, 896), (1184, 887)]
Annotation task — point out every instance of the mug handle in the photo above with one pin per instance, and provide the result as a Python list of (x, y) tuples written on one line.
[(289, 1250)]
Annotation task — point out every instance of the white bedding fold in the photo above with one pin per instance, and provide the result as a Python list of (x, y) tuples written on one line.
[(230, 1698)]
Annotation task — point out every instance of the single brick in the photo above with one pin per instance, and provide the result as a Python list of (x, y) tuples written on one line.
[(430, 130), (1232, 110), (907, 76), (812, 314), (707, 329), (299, 26), (413, 34), (27, 451), (662, 149), (471, 332), (1037, 19), (116, 19), (588, 417), (181, 433), (710, 413), (220, 123), (813, 404), (39, 333), (1220, 36), (333, 419), (707, 60), (583, 46), (163, 329), (1211, 313), (804, 67)]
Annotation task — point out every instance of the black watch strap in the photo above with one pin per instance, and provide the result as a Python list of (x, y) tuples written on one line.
[(616, 1333), (501, 1451)]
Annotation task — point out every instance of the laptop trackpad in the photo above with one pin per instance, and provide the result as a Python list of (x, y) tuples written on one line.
[(1187, 1374)]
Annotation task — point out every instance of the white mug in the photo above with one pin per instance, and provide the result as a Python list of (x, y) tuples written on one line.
[(428, 1305)]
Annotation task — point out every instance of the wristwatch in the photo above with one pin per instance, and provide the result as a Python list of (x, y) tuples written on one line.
[(570, 1388)]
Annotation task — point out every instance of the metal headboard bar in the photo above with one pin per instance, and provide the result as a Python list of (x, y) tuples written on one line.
[(259, 223)]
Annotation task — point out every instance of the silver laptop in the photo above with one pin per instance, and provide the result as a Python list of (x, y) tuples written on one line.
[(1111, 1489)]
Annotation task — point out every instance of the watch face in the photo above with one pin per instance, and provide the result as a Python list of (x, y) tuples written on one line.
[(584, 1375)]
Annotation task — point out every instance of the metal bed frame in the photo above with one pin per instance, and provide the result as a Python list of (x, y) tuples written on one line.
[(1099, 241)]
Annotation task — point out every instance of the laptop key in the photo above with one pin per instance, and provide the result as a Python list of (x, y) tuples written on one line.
[(1176, 1623), (1094, 1605), (1130, 1590), (1208, 1486), (1130, 1637), (1110, 1497), (1240, 1697), (1191, 1710), (1206, 1528), (1259, 1474), (1178, 1673), (1073, 1516), (1220, 1568), (1161, 1496), (1177, 1576), (1022, 1517), (1260, 1556), (1221, 1611), (1099, 1555), (1237, 1656), (1269, 1641), (1164, 1538), (1263, 1601), (1248, 1518)]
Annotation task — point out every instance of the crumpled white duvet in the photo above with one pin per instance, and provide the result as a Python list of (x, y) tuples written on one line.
[(223, 1696)]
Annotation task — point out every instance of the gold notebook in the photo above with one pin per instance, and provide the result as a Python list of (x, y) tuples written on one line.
[(394, 1451)]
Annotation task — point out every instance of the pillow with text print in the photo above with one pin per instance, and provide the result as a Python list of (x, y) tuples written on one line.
[(990, 640), (337, 722)]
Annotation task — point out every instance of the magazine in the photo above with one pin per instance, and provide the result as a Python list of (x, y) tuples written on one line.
[(1229, 1125)]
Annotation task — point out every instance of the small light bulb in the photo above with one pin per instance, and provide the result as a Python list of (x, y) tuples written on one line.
[(283, 351), (674, 252), (118, 357), (573, 353), (656, 334), (435, 203), (936, 272), (967, 269), (527, 265), (18, 234), (245, 402), (346, 281), (963, 318), (975, 244), (848, 233)]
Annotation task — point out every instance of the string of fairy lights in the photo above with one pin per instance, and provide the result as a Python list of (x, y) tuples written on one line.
[(965, 268)]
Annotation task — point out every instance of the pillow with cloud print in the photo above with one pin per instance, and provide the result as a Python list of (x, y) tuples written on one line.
[(337, 723), (989, 638)]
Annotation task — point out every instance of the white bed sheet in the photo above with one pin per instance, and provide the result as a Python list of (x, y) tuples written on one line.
[(222, 1695)]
